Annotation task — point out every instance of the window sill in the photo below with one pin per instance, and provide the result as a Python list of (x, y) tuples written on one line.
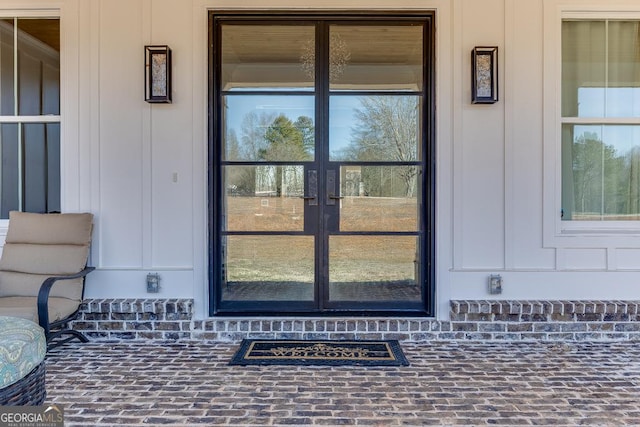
[(594, 236), (604, 228)]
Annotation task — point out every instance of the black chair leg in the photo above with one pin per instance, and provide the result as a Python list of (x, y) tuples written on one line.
[(54, 341)]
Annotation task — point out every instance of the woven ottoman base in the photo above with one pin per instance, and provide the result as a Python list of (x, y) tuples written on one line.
[(23, 348), (30, 390)]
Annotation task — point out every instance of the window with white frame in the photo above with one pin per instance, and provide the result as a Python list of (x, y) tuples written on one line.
[(600, 125), (29, 114)]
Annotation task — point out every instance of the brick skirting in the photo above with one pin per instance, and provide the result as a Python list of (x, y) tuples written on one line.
[(172, 319), (546, 320), (135, 319)]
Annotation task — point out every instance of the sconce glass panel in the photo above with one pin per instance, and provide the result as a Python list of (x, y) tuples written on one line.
[(157, 74)]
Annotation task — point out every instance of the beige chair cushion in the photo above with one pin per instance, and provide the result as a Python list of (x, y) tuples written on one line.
[(43, 259), (50, 229), (13, 284), (26, 308), (43, 245)]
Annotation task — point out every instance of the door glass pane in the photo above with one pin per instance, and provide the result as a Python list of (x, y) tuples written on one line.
[(39, 66), (268, 268), (374, 268), (374, 128), (376, 57), (268, 57), (379, 198), (269, 128), (264, 198)]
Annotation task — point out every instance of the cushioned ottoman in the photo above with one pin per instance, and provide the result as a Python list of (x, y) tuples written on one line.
[(22, 350)]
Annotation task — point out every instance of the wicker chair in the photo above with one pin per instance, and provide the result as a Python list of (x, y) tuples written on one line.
[(43, 270)]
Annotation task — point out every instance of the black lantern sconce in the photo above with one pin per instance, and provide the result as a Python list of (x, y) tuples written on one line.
[(484, 75), (157, 74)]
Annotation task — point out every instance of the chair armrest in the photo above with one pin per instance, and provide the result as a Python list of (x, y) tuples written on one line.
[(43, 296)]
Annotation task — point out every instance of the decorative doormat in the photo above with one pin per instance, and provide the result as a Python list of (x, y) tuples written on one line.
[(323, 352)]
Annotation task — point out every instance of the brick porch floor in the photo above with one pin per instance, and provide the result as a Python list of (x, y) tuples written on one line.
[(448, 383)]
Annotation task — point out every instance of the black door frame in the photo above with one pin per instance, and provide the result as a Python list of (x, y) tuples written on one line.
[(215, 192)]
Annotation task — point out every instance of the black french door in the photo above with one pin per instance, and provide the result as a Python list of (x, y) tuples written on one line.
[(321, 164)]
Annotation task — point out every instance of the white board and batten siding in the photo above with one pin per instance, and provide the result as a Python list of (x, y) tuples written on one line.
[(142, 168)]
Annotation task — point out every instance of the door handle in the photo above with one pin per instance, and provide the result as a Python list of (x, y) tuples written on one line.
[(312, 197), (331, 188)]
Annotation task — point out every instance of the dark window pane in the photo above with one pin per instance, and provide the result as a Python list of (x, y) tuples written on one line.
[(43, 32), (53, 167), (30, 152), (7, 100), (35, 167), (38, 66), (38, 160), (9, 149)]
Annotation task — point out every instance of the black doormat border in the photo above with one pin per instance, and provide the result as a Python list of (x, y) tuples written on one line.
[(320, 352)]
